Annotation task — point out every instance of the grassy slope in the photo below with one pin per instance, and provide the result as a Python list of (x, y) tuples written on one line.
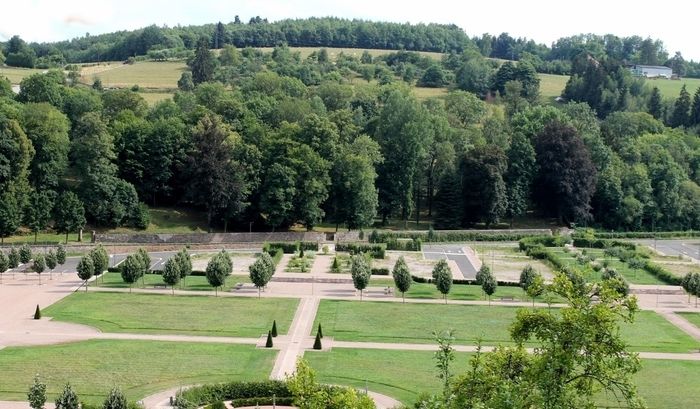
[(413, 323), (405, 374), (192, 283), (146, 74), (139, 368), (16, 75), (552, 86), (165, 314)]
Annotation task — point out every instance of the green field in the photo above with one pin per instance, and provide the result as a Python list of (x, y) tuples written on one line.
[(467, 292), (139, 368), (355, 52), (146, 74), (191, 283), (166, 314), (551, 86), (406, 374), (16, 75), (414, 323), (153, 98)]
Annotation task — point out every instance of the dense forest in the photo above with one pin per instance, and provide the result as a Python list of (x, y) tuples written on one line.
[(273, 139)]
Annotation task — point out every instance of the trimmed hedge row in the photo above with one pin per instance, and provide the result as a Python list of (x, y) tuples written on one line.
[(449, 236), (461, 281), (374, 250), (545, 241), (661, 273), (256, 392), (290, 247), (380, 271), (602, 243), (404, 244), (647, 234)]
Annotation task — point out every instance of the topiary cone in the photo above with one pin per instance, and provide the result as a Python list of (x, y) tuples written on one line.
[(320, 331), (268, 344), (274, 329), (37, 313), (317, 342)]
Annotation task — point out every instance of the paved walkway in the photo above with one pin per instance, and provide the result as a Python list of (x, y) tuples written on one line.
[(683, 324), (299, 337)]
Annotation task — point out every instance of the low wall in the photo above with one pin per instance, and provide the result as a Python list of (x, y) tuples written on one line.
[(207, 238)]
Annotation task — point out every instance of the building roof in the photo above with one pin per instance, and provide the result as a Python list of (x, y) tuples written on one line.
[(656, 67)]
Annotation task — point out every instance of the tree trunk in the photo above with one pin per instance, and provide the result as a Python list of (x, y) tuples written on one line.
[(35, 234), (403, 297), (258, 292), (86, 285), (172, 287)]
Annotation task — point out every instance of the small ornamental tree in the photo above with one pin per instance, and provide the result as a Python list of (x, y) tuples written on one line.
[(51, 260), (526, 276), (360, 272), (183, 258), (317, 342), (268, 343), (536, 287), (37, 313), (25, 254), (261, 271), (68, 399), (69, 214), (100, 259), (402, 277), (319, 330), (115, 400), (13, 258), (86, 269), (489, 285), (274, 328), (443, 278), (37, 393), (39, 265), (61, 255), (217, 271), (482, 273), (171, 273), (131, 269)]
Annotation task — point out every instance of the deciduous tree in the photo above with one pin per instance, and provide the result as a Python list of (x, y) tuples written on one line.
[(402, 277), (86, 269), (360, 271), (443, 278)]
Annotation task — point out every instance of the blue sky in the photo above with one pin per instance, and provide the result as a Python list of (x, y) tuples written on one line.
[(541, 20)]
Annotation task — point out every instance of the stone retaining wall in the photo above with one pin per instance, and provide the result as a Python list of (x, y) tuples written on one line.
[(207, 238)]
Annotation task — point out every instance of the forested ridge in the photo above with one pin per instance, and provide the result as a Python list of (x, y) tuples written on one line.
[(274, 139)]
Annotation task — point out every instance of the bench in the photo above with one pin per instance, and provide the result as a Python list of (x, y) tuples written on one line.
[(508, 298), (238, 286), (160, 285)]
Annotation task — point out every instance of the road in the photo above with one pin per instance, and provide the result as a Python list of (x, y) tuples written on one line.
[(686, 247), (453, 252)]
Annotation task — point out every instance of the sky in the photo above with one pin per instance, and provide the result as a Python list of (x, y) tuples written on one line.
[(541, 20)]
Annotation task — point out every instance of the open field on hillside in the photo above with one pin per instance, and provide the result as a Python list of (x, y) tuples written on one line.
[(355, 52), (379, 322), (166, 314), (140, 368), (551, 86), (16, 75), (147, 74), (406, 374)]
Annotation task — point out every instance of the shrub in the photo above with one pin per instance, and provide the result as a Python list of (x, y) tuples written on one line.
[(268, 343), (246, 393), (636, 262), (374, 250), (287, 248), (383, 271), (308, 245), (37, 313), (404, 244), (317, 342)]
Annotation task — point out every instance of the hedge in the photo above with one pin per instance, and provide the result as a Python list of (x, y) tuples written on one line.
[(461, 281), (260, 392), (661, 273), (646, 234), (287, 247), (380, 271), (450, 236), (375, 250), (404, 244), (545, 241), (308, 245), (597, 243)]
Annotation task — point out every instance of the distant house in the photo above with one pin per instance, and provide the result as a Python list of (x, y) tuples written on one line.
[(651, 71)]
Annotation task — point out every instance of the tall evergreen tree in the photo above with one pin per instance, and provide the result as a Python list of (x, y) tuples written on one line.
[(681, 109), (695, 109), (519, 176), (448, 201), (203, 62), (655, 108)]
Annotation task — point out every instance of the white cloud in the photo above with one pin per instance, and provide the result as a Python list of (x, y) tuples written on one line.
[(541, 20)]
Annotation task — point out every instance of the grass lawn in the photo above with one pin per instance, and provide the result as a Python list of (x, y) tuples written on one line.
[(146, 74), (632, 275), (191, 283), (693, 317), (139, 368), (355, 52), (376, 321), (166, 314), (405, 374), (467, 292), (423, 93), (402, 375), (671, 88), (154, 97)]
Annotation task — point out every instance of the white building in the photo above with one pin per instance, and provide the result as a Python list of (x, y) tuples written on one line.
[(651, 71)]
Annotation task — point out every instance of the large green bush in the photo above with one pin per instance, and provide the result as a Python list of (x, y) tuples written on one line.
[(243, 393), (374, 250)]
